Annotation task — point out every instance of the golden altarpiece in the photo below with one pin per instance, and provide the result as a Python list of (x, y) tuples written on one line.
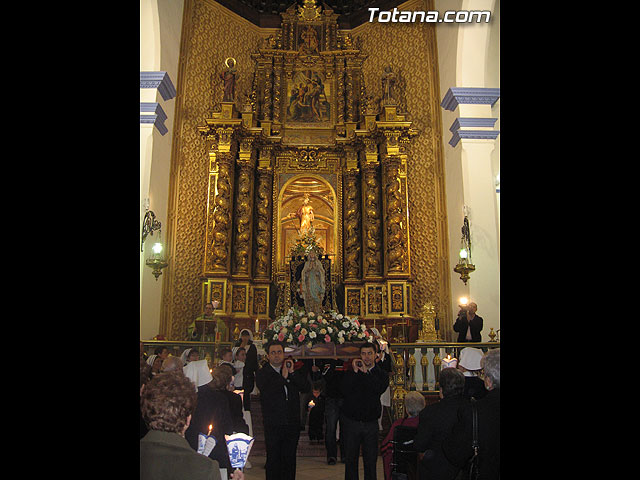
[(308, 129)]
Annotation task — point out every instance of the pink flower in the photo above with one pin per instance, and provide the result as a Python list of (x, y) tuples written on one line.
[(356, 322), (301, 338), (366, 333), (297, 328), (281, 337), (327, 338)]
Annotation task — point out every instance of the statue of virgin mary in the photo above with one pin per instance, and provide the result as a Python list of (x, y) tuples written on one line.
[(312, 284)]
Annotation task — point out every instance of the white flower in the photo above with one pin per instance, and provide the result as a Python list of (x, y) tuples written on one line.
[(309, 344), (329, 330), (290, 323), (290, 338), (323, 331), (304, 320), (340, 340), (339, 317), (311, 314), (312, 334), (360, 335), (345, 324), (340, 333), (275, 337)]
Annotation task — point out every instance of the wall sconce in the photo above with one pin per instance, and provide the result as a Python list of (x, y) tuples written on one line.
[(156, 260), (464, 266)]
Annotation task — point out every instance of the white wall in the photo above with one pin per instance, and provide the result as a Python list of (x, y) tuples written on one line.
[(160, 33)]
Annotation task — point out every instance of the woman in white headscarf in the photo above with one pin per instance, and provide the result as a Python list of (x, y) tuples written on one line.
[(471, 367), (155, 362), (189, 355)]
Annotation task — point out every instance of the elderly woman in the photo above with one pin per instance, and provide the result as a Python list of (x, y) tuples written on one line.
[(413, 404)]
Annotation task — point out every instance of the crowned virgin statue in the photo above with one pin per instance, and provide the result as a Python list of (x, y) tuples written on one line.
[(312, 283)]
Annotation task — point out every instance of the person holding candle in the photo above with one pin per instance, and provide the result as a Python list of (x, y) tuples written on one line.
[(316, 412), (167, 403), (361, 409), (468, 324), (280, 386), (250, 366), (212, 409)]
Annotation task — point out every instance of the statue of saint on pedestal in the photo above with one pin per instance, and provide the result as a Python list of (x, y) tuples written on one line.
[(305, 215), (229, 79), (312, 283)]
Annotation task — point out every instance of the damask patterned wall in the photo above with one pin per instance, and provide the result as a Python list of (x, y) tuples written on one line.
[(210, 34), (411, 50)]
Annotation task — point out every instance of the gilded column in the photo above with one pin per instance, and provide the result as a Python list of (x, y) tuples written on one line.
[(267, 92), (277, 90), (372, 227), (340, 89), (220, 241), (264, 187), (351, 202), (243, 208)]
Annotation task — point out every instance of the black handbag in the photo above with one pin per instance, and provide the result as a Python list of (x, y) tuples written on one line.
[(470, 470)]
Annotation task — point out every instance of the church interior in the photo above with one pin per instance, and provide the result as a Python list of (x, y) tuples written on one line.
[(272, 129)]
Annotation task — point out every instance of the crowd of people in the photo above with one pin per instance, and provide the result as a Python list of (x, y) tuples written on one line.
[(341, 401)]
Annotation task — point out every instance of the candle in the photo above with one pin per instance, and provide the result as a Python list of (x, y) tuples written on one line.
[(210, 428), (312, 404), (257, 325), (449, 362)]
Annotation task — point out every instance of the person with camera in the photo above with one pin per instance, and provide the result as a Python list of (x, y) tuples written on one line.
[(280, 385), (361, 409)]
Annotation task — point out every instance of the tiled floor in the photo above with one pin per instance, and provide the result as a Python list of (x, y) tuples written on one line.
[(309, 468)]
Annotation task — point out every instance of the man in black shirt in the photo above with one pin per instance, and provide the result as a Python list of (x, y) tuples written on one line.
[(280, 386), (361, 409)]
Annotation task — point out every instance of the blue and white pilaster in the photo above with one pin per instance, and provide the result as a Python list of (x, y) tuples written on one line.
[(151, 111), (472, 188)]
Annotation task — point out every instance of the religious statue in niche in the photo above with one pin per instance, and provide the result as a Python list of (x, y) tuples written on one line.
[(312, 283), (229, 79), (305, 215)]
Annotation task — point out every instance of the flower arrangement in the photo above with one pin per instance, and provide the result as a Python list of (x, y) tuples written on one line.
[(305, 243), (299, 327)]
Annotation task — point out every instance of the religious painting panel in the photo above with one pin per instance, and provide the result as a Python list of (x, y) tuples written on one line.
[(309, 99)]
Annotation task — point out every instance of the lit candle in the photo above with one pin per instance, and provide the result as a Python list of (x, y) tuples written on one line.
[(210, 428), (312, 404), (449, 362), (257, 325)]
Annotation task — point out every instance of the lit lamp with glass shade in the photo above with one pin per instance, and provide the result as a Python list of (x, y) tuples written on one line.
[(464, 266), (156, 260)]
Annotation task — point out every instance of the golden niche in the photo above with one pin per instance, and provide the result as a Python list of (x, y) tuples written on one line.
[(307, 206)]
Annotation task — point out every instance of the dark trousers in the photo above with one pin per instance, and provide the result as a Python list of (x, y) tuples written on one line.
[(331, 418), (357, 434), (281, 443)]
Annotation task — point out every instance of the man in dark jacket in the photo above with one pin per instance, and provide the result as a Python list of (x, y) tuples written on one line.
[(457, 447), (436, 421), (361, 408), (280, 388), (469, 325)]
